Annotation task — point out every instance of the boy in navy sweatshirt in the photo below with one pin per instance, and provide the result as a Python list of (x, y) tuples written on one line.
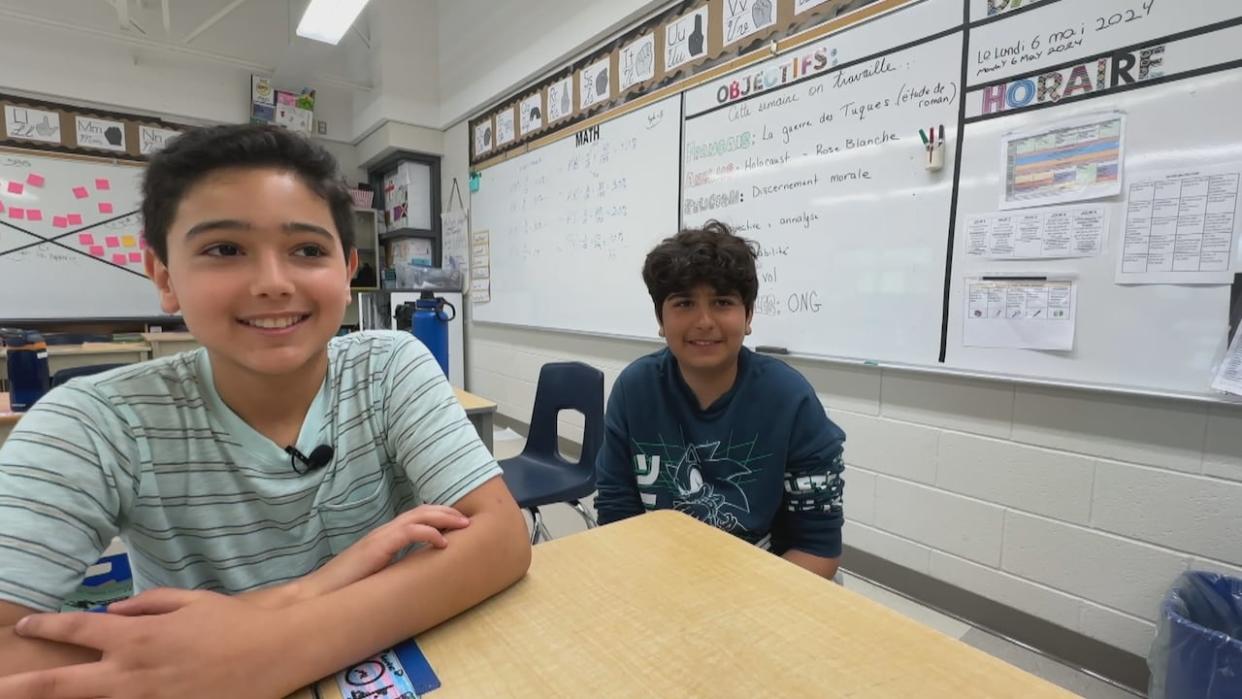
[(707, 427)]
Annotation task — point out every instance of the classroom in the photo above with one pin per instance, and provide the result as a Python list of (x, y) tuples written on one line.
[(941, 390)]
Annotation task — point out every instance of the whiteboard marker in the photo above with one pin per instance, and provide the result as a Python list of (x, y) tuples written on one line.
[(768, 349)]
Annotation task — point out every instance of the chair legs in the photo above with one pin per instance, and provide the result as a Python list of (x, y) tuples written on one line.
[(586, 516), (537, 530)]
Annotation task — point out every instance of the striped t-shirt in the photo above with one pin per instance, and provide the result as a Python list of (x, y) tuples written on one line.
[(151, 453)]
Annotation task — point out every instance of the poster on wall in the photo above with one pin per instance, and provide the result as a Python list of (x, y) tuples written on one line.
[(506, 127), (103, 134), (530, 114), (483, 137), (454, 239), (595, 82), (261, 91), (296, 112), (480, 267), (262, 100), (153, 138), (744, 18), (31, 124), (685, 38), (637, 60), (560, 100)]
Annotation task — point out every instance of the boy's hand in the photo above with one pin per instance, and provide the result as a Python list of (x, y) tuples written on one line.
[(372, 553), (201, 644)]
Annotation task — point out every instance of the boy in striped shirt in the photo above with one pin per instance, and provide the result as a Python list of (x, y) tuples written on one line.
[(259, 569)]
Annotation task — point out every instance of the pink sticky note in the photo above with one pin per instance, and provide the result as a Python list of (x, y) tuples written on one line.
[(86, 239), (105, 207), (112, 241), (17, 213), (60, 222), (101, 183), (80, 192), (142, 242), (135, 257), (34, 214), (34, 180), (1, 207), (16, 187), (97, 250), (118, 258), (75, 219)]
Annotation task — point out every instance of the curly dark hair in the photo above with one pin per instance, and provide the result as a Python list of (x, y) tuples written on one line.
[(710, 255), (190, 157)]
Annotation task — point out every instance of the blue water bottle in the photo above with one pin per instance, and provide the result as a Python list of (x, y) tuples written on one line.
[(26, 357), (431, 326)]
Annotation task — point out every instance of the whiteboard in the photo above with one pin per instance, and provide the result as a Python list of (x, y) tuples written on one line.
[(70, 243), (570, 224), (828, 176), (1161, 337), (1060, 31), (869, 265)]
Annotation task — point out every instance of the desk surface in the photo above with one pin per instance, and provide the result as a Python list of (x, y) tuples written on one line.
[(168, 337), (472, 403), (662, 605)]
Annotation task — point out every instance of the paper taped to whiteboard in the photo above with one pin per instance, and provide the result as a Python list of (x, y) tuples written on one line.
[(1069, 161), (1027, 313), (1181, 227), (1229, 376), (1060, 232)]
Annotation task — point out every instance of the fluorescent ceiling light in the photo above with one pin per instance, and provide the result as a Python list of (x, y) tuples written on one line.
[(328, 20)]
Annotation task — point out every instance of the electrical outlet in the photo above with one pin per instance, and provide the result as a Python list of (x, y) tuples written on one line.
[(321, 127)]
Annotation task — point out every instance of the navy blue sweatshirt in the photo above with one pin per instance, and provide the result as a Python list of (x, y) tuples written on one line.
[(763, 462)]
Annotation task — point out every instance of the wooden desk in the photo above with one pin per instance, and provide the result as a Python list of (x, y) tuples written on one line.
[(482, 413), (166, 344), (68, 356), (662, 605)]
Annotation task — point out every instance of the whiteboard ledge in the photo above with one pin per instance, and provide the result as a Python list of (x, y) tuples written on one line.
[(1218, 399)]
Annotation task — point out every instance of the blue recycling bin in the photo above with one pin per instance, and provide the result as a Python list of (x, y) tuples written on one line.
[(1197, 653)]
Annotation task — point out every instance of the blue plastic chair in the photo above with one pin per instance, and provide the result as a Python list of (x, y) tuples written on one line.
[(64, 375), (539, 475)]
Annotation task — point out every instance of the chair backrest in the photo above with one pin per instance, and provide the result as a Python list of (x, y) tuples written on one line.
[(63, 376), (567, 386)]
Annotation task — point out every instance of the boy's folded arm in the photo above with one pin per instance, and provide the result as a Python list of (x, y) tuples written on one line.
[(425, 588), (425, 524), (22, 654)]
